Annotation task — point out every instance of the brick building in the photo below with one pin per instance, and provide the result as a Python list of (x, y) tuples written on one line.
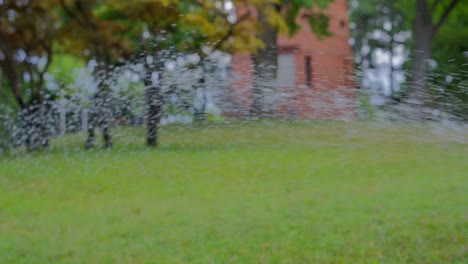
[(314, 78)]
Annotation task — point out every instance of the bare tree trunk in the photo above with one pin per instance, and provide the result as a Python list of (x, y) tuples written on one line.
[(107, 136), (265, 65), (91, 134), (13, 78), (154, 102), (32, 113), (423, 30), (106, 120), (34, 125), (44, 126), (100, 115), (154, 115), (199, 113)]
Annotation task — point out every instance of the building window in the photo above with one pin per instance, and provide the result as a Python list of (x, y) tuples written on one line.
[(286, 71), (342, 23), (308, 69)]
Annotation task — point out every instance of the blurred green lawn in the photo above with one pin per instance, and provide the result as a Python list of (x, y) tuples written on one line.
[(279, 192)]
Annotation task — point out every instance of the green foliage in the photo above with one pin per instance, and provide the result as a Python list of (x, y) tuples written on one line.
[(7, 118), (319, 25), (95, 31), (28, 31), (63, 66), (251, 193), (448, 45), (318, 21), (450, 51)]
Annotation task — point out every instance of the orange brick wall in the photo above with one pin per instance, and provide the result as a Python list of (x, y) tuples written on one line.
[(242, 75), (331, 95)]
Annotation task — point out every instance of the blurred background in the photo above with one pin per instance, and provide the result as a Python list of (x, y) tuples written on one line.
[(69, 65)]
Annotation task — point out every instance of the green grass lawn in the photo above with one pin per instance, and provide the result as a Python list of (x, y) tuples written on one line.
[(242, 193)]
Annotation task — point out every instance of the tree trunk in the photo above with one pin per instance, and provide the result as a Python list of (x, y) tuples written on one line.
[(199, 114), (265, 66), (106, 120), (100, 116), (107, 136), (34, 124), (33, 114), (423, 31), (154, 104), (199, 111), (91, 135)]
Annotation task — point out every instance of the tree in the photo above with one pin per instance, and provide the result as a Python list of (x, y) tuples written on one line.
[(215, 28), (380, 40), (430, 17), (152, 27), (155, 26), (449, 82), (189, 26), (97, 34), (430, 22), (28, 30)]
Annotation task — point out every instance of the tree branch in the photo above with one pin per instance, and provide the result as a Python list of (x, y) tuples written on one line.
[(14, 81), (70, 13), (445, 16), (48, 49), (201, 4), (220, 42), (434, 5)]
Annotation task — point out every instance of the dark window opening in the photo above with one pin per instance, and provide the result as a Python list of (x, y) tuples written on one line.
[(308, 69), (342, 23)]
